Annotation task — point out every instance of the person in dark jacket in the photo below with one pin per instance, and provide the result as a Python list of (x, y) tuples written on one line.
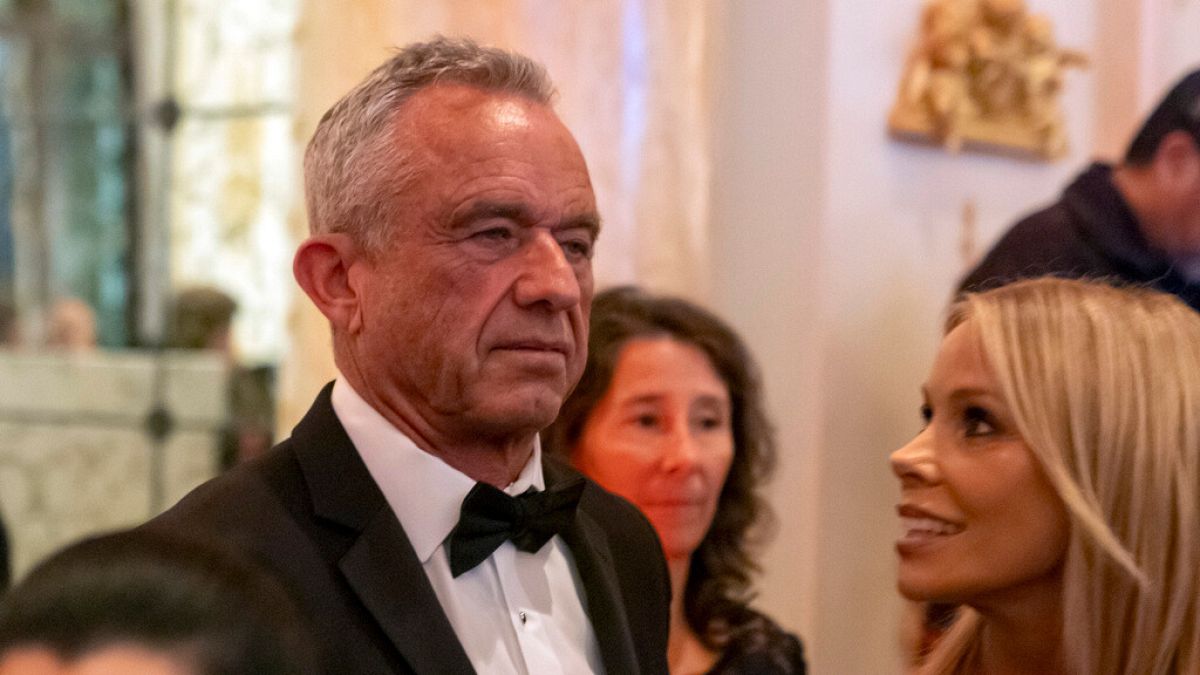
[(1136, 223)]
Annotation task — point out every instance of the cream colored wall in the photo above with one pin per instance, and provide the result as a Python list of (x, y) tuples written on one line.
[(768, 204)]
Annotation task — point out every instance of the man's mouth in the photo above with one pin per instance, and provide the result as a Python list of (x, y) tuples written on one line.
[(554, 346)]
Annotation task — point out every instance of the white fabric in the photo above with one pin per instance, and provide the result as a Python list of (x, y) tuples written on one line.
[(516, 613)]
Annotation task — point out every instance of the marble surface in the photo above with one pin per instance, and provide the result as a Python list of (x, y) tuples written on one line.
[(75, 455)]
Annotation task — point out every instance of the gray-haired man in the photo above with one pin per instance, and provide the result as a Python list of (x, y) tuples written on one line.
[(453, 223)]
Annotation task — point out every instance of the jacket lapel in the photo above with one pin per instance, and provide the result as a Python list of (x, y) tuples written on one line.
[(593, 560), (387, 576), (380, 565)]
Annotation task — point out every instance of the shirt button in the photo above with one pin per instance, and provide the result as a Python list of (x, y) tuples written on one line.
[(523, 617)]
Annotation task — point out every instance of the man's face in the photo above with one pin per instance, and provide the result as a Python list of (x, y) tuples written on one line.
[(475, 315), (1178, 196), (1189, 209)]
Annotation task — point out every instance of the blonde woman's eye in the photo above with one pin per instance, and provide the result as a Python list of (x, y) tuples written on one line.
[(977, 422), (926, 415)]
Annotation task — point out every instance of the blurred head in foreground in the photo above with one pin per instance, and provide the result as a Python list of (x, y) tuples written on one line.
[(144, 603)]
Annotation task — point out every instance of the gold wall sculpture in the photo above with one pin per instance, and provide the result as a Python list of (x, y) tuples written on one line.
[(985, 75)]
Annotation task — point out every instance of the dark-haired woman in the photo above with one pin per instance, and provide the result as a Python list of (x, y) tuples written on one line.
[(669, 415)]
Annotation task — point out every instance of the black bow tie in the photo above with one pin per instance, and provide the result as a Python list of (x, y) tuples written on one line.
[(490, 517)]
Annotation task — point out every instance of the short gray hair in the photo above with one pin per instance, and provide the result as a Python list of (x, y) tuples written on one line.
[(353, 171)]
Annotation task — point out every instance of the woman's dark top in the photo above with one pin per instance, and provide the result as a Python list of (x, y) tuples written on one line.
[(4, 564), (761, 648)]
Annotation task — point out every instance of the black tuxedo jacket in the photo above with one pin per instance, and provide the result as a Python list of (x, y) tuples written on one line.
[(310, 510)]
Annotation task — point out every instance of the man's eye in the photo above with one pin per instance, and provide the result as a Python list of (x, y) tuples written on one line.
[(495, 233), (977, 422), (578, 248)]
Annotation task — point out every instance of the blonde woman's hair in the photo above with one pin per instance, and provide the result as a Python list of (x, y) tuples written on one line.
[(1104, 386)]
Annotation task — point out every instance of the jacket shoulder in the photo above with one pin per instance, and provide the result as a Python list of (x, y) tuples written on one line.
[(253, 503), (1048, 242)]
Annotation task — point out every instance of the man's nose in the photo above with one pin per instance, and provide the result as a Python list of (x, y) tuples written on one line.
[(914, 462), (547, 276)]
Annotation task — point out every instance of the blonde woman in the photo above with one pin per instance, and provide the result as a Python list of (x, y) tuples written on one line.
[(1054, 491)]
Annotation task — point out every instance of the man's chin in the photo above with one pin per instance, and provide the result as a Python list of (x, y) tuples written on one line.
[(521, 412)]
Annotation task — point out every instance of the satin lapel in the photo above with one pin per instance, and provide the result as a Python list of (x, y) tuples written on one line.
[(380, 565), (388, 578), (604, 604), (593, 560)]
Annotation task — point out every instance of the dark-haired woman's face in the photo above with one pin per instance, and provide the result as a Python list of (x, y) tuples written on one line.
[(662, 438)]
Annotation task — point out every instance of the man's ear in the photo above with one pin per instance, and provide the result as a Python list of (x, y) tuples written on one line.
[(324, 267), (1177, 161)]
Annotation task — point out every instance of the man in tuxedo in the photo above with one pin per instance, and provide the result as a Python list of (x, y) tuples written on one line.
[(452, 227)]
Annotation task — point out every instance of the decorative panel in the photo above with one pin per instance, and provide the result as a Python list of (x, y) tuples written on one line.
[(77, 459)]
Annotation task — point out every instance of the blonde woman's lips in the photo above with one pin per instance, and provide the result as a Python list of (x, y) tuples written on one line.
[(921, 528)]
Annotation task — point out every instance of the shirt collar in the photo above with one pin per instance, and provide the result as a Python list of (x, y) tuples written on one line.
[(424, 492)]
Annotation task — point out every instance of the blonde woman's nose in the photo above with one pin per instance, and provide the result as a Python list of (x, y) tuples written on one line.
[(914, 462)]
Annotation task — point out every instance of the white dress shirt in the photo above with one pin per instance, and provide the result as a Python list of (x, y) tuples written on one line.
[(516, 613)]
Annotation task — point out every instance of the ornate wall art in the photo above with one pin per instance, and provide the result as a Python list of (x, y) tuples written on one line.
[(985, 75)]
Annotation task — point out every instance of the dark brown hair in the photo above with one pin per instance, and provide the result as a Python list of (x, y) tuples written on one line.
[(716, 600)]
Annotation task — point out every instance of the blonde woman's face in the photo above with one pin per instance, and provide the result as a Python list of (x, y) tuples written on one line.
[(662, 438), (980, 522)]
